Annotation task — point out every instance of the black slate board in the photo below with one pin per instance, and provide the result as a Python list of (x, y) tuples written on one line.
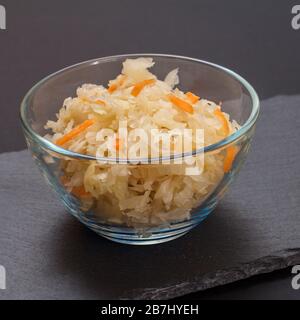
[(49, 255)]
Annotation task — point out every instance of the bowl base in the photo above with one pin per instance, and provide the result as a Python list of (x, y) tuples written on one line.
[(142, 242), (148, 236)]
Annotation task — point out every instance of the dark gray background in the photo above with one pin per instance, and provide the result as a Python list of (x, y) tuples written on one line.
[(254, 38)]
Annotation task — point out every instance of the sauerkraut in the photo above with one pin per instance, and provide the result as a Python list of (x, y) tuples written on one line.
[(139, 194)]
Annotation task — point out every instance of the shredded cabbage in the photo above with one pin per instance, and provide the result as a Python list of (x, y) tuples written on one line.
[(138, 194)]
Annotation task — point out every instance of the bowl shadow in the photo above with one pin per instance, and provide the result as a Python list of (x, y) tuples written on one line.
[(108, 270)]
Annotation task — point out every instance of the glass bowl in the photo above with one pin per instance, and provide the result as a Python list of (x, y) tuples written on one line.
[(205, 79)]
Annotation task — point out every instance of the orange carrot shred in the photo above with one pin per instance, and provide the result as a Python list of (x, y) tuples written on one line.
[(183, 105), (75, 132), (79, 192), (192, 97), (117, 83), (76, 191), (112, 88), (117, 144), (140, 86), (219, 114), (100, 102), (231, 153)]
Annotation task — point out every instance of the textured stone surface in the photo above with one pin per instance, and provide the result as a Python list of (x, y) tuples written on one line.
[(49, 255)]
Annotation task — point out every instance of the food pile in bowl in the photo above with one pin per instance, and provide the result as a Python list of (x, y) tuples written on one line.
[(138, 193)]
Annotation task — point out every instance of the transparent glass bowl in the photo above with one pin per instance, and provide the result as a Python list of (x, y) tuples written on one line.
[(205, 79)]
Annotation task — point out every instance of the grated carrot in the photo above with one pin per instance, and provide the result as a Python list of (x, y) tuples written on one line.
[(117, 144), (76, 191), (231, 153), (192, 97), (183, 105), (99, 102), (80, 192), (113, 87), (140, 86), (75, 132), (118, 82), (219, 114)]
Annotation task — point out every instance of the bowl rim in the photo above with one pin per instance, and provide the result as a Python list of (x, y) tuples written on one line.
[(212, 147)]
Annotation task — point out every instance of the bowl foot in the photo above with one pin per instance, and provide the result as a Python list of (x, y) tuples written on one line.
[(145, 241)]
